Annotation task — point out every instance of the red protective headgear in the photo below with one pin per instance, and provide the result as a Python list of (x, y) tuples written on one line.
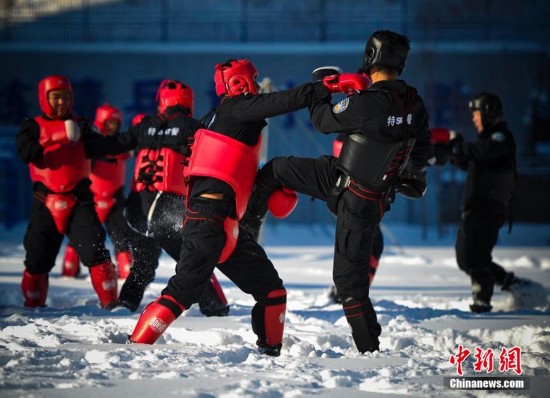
[(172, 93), (236, 77), (106, 112), (49, 83), (138, 118)]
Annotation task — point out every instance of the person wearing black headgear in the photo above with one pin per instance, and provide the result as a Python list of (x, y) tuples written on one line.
[(490, 163), (387, 150)]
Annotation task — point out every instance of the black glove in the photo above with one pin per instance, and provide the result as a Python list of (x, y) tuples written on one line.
[(320, 73), (442, 154), (412, 184), (456, 144)]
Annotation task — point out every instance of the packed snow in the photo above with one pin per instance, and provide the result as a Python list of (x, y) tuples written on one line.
[(74, 348)]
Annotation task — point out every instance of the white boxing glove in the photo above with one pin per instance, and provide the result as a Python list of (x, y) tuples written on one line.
[(72, 130), (320, 73)]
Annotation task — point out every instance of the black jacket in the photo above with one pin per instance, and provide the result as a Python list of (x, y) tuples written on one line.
[(375, 114), (491, 165)]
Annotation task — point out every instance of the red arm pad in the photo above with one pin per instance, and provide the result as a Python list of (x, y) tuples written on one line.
[(442, 135), (282, 202), (348, 83)]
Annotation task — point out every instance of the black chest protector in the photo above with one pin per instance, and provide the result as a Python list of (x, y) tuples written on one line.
[(376, 164)]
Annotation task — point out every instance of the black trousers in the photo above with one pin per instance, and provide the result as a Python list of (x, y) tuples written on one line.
[(477, 235), (42, 241), (203, 240), (156, 222), (357, 218), (116, 224)]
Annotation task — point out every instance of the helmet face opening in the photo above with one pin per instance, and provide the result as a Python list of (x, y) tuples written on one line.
[(171, 93), (236, 77), (51, 83), (386, 49), (105, 113), (489, 106)]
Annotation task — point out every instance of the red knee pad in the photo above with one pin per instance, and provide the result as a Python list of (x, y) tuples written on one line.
[(104, 281), (124, 261), (155, 319), (35, 289), (282, 202), (231, 228), (71, 263), (274, 319)]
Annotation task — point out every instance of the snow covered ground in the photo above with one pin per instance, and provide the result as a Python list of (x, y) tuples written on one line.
[(73, 348)]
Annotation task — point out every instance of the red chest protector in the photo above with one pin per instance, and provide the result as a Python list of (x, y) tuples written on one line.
[(222, 157), (65, 162), (107, 178), (159, 170)]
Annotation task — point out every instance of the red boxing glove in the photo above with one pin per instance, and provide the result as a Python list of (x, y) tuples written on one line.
[(441, 135), (62, 131), (282, 202), (349, 83), (331, 83)]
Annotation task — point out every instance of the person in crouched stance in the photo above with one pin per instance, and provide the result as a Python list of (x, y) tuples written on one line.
[(220, 175), (156, 205)]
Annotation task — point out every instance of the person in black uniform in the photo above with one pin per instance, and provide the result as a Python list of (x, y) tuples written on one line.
[(220, 173), (388, 149), (377, 237), (490, 163), (155, 206)]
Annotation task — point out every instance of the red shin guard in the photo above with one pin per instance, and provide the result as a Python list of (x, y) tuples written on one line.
[(155, 319), (218, 288), (35, 289), (124, 261), (275, 317), (104, 281), (71, 263)]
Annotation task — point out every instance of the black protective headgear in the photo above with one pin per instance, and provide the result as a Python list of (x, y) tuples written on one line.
[(386, 48), (489, 106)]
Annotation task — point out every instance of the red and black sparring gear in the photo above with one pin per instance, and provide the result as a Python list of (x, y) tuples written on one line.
[(124, 261), (386, 49), (137, 118), (104, 281), (159, 170), (320, 73), (35, 289), (365, 328), (346, 83), (65, 161), (236, 77), (282, 202), (268, 322), (171, 93), (490, 107), (50, 83), (104, 113), (71, 263), (224, 158), (154, 320)]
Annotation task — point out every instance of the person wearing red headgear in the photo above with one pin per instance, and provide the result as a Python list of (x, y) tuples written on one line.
[(57, 146), (220, 174), (107, 178), (155, 205)]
